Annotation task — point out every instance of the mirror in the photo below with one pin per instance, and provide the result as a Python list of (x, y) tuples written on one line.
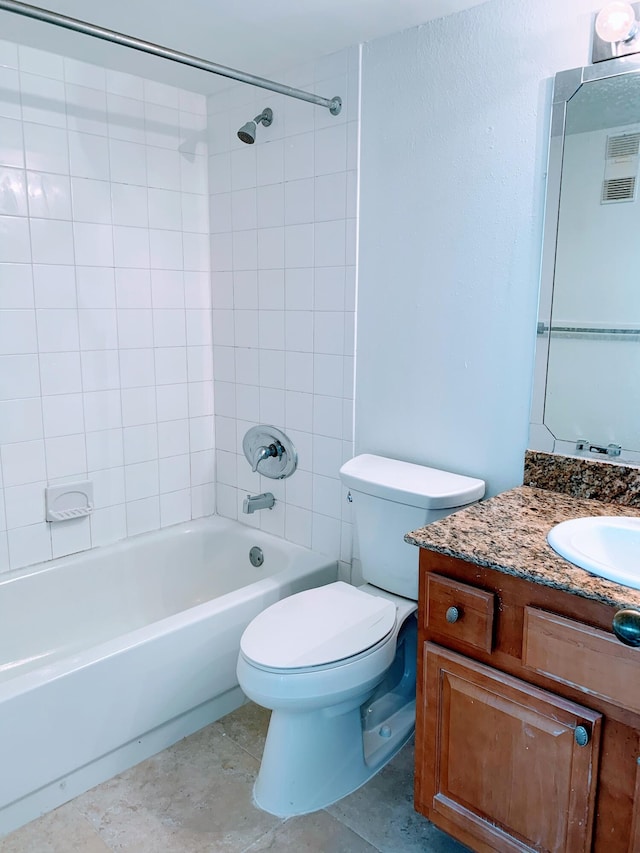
[(587, 386)]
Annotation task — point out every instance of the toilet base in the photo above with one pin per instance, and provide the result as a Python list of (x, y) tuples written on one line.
[(313, 759)]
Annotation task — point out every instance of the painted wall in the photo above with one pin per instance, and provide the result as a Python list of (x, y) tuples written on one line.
[(283, 260), (454, 144), (105, 333)]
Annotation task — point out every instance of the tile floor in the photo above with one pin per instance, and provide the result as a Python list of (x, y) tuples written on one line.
[(195, 797)]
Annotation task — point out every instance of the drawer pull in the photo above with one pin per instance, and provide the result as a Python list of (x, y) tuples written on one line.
[(626, 626), (453, 614), (581, 735)]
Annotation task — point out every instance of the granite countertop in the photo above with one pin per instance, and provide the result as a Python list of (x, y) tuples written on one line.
[(508, 533)]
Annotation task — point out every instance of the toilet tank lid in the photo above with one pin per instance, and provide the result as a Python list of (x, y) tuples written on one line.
[(408, 483)]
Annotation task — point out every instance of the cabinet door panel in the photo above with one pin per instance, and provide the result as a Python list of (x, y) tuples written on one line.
[(506, 765)]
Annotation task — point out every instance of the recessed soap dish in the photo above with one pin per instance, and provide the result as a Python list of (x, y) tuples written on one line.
[(71, 500)]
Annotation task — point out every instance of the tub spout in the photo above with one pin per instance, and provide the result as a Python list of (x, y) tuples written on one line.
[(253, 502)]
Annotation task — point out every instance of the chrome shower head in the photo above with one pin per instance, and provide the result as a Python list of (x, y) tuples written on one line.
[(247, 132)]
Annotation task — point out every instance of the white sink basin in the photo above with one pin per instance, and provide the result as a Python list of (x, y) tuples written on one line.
[(607, 546)]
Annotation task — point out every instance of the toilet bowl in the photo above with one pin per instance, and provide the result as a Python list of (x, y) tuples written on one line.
[(331, 728), (337, 665)]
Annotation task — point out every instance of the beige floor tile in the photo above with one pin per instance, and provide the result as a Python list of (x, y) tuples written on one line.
[(247, 727), (191, 798), (314, 833), (382, 812), (61, 831)]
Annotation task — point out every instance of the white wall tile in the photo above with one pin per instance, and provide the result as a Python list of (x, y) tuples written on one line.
[(60, 373), (23, 462), (299, 201), (165, 250), (24, 505), (13, 192), (16, 286), (298, 525), (135, 328), (95, 287), (299, 245), (66, 456), (46, 148), (20, 420), (108, 487), (133, 288), (129, 205), (91, 200), (163, 169), (299, 157), (17, 332), (51, 241), (203, 501), (43, 100), (175, 473), (54, 286), (175, 507), (131, 247), (62, 414), (172, 402), (102, 410), (11, 143), (143, 516), (137, 367), (104, 449), (173, 438), (15, 244), (138, 406), (88, 156), (100, 370), (141, 480), (170, 365), (108, 525), (19, 376), (29, 545), (271, 205)]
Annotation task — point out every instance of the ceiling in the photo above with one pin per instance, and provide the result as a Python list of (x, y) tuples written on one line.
[(251, 35)]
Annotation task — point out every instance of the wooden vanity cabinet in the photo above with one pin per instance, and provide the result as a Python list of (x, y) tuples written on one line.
[(528, 715)]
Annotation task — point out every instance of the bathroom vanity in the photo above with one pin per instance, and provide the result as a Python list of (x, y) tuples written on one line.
[(528, 706)]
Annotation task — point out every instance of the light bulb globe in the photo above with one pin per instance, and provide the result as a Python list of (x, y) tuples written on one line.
[(616, 22)]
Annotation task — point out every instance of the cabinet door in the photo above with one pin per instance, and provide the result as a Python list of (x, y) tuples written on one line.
[(501, 760)]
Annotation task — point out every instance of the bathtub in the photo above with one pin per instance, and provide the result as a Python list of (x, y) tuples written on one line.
[(111, 655)]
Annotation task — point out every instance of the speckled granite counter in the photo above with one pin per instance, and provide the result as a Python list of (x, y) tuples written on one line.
[(508, 533)]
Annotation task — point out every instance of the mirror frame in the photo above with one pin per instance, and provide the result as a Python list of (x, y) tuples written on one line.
[(566, 84)]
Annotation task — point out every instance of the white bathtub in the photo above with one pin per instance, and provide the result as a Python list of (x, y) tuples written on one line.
[(109, 656)]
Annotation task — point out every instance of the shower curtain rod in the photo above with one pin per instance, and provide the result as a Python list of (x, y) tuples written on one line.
[(334, 105)]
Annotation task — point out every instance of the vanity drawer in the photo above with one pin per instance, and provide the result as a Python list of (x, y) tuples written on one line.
[(459, 612), (587, 658)]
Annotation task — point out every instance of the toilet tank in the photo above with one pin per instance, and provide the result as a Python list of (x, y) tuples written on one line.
[(390, 498)]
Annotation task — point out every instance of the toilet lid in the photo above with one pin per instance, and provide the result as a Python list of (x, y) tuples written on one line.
[(317, 626)]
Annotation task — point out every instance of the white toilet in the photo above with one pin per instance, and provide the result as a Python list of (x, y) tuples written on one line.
[(337, 664)]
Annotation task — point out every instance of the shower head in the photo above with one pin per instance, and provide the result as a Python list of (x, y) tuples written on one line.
[(247, 132)]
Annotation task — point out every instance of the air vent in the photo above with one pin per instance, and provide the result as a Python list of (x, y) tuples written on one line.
[(623, 145), (618, 189), (621, 168)]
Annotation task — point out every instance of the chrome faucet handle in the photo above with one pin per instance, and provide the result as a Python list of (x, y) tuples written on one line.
[(275, 449), (269, 452)]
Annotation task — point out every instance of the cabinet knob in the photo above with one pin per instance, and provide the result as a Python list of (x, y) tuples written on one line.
[(453, 614), (581, 735), (626, 626)]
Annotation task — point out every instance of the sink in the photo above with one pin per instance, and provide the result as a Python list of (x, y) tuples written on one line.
[(607, 546)]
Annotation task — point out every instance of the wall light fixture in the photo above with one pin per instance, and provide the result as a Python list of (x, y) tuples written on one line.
[(616, 31)]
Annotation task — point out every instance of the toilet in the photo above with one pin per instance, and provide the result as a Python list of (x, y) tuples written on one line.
[(337, 664)]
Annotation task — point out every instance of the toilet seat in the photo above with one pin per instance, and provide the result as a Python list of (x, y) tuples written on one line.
[(317, 627)]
